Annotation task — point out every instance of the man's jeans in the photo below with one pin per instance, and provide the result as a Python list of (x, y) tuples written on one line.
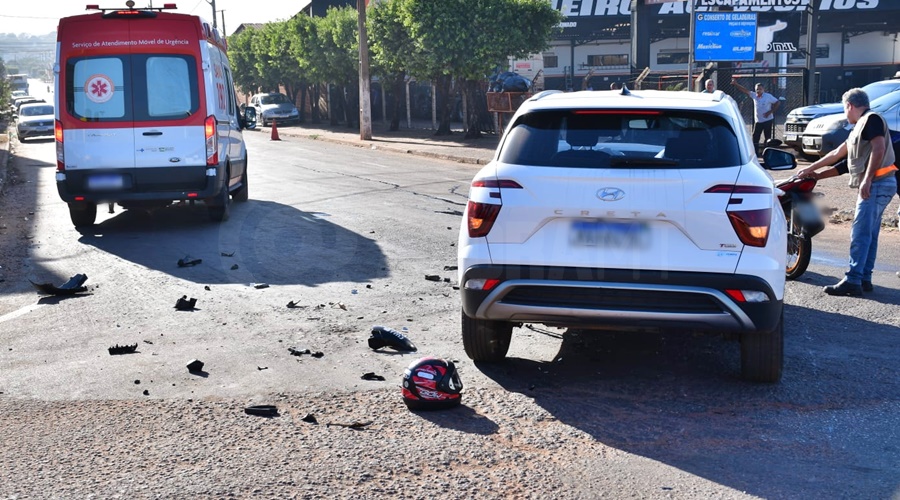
[(865, 229)]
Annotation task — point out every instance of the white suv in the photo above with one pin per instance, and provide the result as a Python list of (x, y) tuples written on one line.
[(626, 210)]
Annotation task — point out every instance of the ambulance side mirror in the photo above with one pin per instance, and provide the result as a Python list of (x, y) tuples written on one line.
[(249, 119)]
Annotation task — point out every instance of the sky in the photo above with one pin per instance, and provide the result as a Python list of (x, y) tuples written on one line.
[(39, 17)]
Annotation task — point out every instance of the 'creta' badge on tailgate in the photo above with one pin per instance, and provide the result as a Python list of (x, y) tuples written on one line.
[(99, 88)]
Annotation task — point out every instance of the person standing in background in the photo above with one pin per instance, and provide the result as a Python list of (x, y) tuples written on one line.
[(764, 106), (710, 87)]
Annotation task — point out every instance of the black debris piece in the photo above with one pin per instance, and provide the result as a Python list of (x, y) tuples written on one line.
[(235, 267), (261, 285), (224, 254), (262, 410), (371, 376), (261, 368), (188, 261), (292, 305), (451, 268), (383, 336), (146, 392), (122, 349), (207, 288), (318, 354), (148, 342), (71, 287), (432, 277), (354, 425), (298, 352), (195, 366), (309, 417), (185, 304)]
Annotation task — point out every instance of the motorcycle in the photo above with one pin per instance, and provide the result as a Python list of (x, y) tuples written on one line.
[(803, 222)]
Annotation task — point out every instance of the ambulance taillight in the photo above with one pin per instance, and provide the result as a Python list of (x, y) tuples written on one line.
[(212, 141), (60, 152)]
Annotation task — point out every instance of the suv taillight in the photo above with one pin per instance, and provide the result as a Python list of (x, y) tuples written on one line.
[(752, 226), (60, 152), (481, 217), (212, 140)]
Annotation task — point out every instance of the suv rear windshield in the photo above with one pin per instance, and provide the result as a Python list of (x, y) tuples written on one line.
[(136, 87), (273, 99), (600, 138)]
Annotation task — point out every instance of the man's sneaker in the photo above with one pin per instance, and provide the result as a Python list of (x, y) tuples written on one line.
[(844, 287), (867, 286)]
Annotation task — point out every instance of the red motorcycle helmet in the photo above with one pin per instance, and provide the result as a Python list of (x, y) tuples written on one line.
[(431, 384)]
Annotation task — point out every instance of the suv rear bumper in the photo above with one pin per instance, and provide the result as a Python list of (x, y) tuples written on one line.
[(588, 297), (142, 184)]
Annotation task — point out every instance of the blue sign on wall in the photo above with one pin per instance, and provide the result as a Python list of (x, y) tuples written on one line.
[(725, 36)]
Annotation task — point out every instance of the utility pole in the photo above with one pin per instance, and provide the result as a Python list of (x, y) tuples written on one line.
[(213, 3), (365, 107), (223, 22)]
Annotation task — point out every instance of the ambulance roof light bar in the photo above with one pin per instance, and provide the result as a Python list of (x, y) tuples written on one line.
[(130, 6)]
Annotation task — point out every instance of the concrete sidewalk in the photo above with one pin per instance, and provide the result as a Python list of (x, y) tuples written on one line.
[(418, 140)]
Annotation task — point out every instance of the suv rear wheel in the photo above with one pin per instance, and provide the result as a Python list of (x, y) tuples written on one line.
[(762, 354), (485, 340)]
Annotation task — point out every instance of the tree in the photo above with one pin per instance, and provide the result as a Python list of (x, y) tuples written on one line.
[(243, 61), (339, 41), (307, 52), (390, 43), (467, 38)]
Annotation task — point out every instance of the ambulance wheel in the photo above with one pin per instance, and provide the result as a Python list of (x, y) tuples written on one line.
[(242, 193), (218, 206), (83, 214)]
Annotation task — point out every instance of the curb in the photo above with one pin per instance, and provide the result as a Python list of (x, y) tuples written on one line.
[(376, 145)]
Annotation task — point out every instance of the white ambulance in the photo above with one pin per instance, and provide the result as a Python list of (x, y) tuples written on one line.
[(146, 113)]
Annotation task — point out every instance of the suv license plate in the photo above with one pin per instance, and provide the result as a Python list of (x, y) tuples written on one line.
[(790, 137), (104, 182), (610, 234)]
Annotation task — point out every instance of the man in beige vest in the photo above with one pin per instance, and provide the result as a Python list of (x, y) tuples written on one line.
[(870, 163)]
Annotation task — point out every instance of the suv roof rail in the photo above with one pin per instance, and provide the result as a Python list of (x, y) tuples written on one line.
[(545, 93)]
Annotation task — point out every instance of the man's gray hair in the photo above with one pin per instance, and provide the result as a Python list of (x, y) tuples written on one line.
[(856, 97)]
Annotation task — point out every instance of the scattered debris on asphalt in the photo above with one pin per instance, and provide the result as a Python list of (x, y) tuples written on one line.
[(195, 366), (432, 277), (224, 254), (298, 352), (261, 368), (354, 425), (122, 349), (318, 354), (259, 286), (207, 288), (185, 304), (383, 336), (451, 268), (146, 392), (294, 305), (309, 417), (262, 410), (371, 376), (188, 261), (71, 287), (235, 267)]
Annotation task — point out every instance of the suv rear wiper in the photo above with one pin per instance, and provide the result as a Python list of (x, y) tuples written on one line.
[(619, 161)]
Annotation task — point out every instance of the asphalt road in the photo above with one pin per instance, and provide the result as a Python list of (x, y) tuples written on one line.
[(349, 235)]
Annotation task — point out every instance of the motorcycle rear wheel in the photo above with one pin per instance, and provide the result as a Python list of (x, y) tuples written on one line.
[(799, 252)]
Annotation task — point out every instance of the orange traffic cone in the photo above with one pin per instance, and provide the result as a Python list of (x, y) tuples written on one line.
[(275, 131)]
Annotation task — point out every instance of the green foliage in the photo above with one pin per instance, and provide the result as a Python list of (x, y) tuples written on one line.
[(390, 41), (242, 58), (339, 38)]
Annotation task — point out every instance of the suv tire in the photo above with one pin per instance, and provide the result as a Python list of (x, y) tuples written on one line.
[(486, 340), (762, 354)]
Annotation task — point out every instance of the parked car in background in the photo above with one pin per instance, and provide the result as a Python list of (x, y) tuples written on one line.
[(274, 106), (631, 211), (798, 119), (35, 120), (828, 132), (25, 99)]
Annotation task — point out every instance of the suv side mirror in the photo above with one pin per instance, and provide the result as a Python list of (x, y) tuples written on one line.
[(776, 159), (249, 118)]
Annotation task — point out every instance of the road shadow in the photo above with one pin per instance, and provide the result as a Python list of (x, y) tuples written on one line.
[(463, 419), (828, 430), (262, 242)]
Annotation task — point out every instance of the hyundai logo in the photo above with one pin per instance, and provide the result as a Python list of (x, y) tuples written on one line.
[(610, 194)]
